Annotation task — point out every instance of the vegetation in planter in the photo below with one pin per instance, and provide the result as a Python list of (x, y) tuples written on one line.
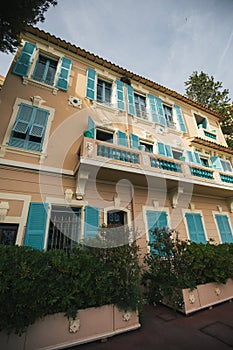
[(173, 265), (34, 284)]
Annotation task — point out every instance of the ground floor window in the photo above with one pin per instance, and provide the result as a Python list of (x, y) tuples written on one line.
[(195, 227), (116, 218), (8, 233), (224, 228), (64, 228)]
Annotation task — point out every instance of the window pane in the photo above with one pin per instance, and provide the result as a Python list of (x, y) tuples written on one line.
[(8, 234), (104, 136), (45, 70)]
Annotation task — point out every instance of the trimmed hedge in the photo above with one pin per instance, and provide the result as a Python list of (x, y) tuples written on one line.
[(34, 284)]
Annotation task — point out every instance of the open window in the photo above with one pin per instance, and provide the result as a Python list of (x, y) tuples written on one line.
[(104, 91), (146, 146), (140, 106), (104, 135), (116, 218), (8, 233), (177, 154), (168, 112), (201, 122)]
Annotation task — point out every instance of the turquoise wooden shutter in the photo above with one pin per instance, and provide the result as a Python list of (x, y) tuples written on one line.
[(25, 59), (180, 118), (168, 151), (224, 228), (190, 157), (161, 149), (36, 225), (194, 157), (38, 128), (195, 228), (159, 105), (91, 224), (130, 98), (217, 162), (197, 158), (153, 108), (155, 219), (122, 138), (23, 118), (134, 141), (91, 84), (91, 127), (120, 95), (64, 74)]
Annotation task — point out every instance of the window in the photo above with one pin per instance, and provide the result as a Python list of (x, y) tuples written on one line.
[(103, 135), (195, 227), (164, 150), (45, 70), (8, 233), (204, 162), (155, 219), (29, 128), (224, 228), (226, 165), (64, 228), (200, 121), (146, 147), (53, 71), (116, 218), (104, 91), (140, 106), (169, 116), (177, 154)]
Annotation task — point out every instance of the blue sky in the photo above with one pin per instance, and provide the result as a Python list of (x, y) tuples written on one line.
[(163, 40)]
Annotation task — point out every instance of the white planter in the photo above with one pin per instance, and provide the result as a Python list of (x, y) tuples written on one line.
[(57, 332)]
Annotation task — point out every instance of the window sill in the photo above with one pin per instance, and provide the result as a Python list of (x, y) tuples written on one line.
[(21, 151), (29, 81), (104, 106)]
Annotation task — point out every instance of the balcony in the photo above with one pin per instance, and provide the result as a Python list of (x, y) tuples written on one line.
[(108, 155)]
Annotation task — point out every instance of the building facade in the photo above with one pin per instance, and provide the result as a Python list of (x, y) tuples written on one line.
[(84, 142)]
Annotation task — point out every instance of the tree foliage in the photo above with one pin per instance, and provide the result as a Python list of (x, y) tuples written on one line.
[(202, 88), (15, 15)]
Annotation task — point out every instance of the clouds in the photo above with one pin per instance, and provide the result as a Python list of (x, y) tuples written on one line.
[(163, 40)]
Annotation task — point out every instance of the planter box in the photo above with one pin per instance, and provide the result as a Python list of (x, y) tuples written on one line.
[(57, 332), (206, 295)]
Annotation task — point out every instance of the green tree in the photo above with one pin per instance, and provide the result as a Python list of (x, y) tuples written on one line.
[(15, 15), (202, 88)]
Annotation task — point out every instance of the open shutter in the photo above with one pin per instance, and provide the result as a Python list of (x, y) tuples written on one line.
[(120, 95), (91, 127), (168, 151), (130, 98), (122, 138), (224, 228), (23, 118), (134, 141), (180, 118), (25, 59), (195, 228), (159, 105), (36, 225), (91, 84), (197, 158), (161, 149), (91, 225), (217, 162), (64, 74), (194, 157), (153, 108)]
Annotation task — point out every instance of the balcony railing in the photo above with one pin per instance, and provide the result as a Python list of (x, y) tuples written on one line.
[(120, 155)]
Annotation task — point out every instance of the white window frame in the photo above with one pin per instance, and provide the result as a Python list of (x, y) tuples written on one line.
[(229, 220), (14, 114), (189, 211)]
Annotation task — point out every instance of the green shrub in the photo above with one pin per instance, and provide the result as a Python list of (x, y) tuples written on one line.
[(34, 284), (173, 265)]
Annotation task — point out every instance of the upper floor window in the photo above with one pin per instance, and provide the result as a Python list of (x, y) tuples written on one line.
[(116, 217), (226, 165), (29, 128), (53, 71), (201, 122), (146, 146), (103, 135), (104, 91), (45, 70), (169, 116), (140, 106)]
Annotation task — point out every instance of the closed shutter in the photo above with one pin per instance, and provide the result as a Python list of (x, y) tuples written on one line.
[(36, 225), (159, 105), (194, 157), (64, 74), (38, 128), (165, 150), (134, 141), (153, 109), (130, 98), (120, 95), (224, 228), (155, 219), (91, 224), (25, 59), (122, 138), (195, 228), (180, 118), (91, 84), (91, 127)]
